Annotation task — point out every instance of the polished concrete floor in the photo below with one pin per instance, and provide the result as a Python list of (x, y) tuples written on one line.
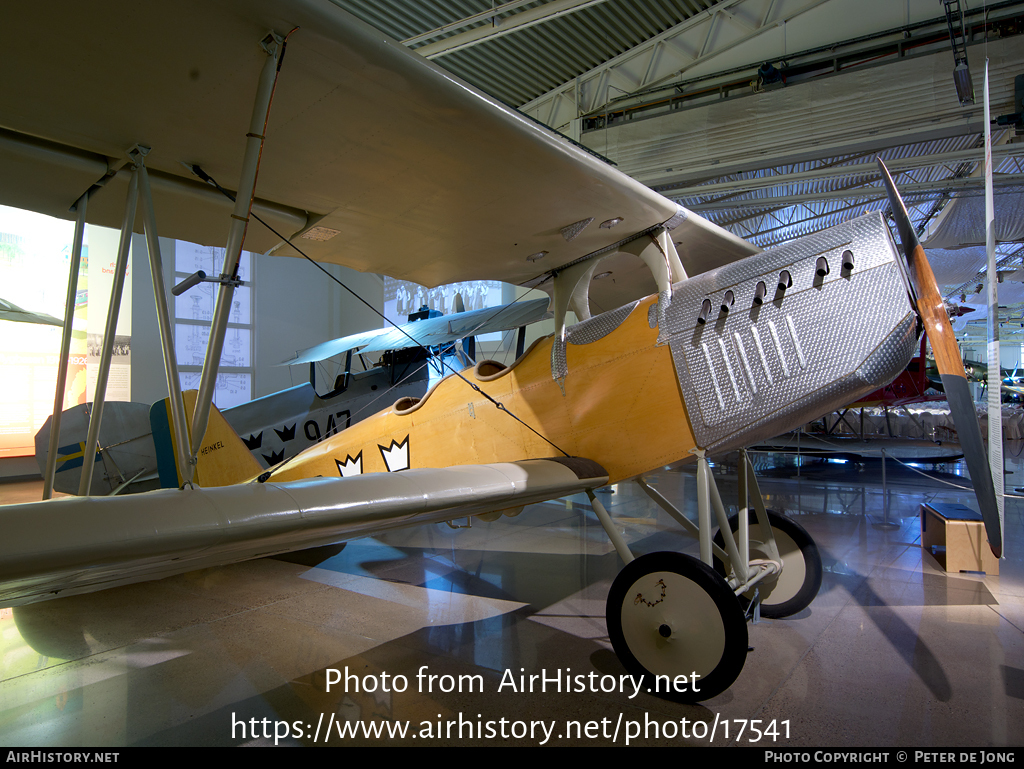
[(892, 652)]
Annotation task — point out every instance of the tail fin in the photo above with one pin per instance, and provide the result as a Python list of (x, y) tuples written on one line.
[(222, 459)]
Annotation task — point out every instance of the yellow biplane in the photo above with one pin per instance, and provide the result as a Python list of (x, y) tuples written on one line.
[(357, 151)]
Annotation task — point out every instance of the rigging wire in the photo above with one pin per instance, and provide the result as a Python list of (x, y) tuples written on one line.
[(198, 171), (940, 480)]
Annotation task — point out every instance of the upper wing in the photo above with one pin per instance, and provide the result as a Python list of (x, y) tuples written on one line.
[(83, 544), (428, 332), (421, 176)]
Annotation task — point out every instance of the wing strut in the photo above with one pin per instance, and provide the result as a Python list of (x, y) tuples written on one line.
[(113, 310), (138, 188), (274, 46), (65, 346), (156, 268)]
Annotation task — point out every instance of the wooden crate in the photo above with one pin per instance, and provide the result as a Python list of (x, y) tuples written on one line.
[(955, 536)]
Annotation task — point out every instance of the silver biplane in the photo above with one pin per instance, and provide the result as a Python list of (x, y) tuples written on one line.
[(134, 451)]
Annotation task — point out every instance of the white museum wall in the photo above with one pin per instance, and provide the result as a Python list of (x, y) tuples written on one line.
[(296, 306)]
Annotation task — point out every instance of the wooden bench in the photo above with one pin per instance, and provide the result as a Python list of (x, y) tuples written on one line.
[(955, 536)]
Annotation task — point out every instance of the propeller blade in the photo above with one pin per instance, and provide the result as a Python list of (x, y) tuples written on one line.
[(951, 369)]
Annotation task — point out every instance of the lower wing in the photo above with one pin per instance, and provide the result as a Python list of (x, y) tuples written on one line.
[(84, 544)]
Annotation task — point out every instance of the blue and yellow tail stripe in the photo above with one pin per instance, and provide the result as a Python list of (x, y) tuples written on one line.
[(72, 456)]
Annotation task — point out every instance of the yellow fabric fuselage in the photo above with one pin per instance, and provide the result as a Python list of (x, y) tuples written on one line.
[(621, 407)]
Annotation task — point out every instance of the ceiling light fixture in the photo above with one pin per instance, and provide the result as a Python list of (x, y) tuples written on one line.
[(958, 40)]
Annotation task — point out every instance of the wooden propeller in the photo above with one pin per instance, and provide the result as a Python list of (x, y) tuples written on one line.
[(932, 311)]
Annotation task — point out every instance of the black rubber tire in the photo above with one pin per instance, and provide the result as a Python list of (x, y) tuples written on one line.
[(789, 593), (706, 630)]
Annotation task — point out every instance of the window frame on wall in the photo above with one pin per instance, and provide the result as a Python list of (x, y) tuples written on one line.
[(194, 310)]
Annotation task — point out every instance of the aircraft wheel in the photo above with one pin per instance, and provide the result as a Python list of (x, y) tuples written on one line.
[(671, 615), (794, 589)]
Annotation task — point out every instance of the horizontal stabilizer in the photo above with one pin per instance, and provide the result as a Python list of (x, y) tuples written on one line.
[(125, 453)]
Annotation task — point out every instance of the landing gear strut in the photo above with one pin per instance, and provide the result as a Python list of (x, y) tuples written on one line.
[(680, 623), (793, 588)]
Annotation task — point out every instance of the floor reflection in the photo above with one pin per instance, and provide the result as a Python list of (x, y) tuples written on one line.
[(893, 651)]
